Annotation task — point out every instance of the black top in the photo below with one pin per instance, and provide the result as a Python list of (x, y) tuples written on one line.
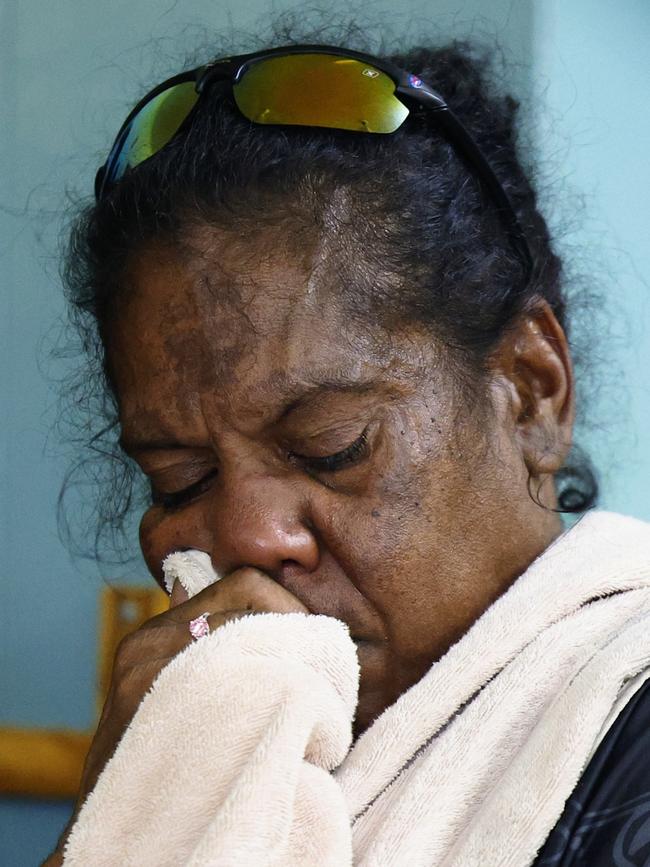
[(606, 821)]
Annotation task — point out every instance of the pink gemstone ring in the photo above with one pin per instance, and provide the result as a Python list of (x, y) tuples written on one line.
[(199, 626)]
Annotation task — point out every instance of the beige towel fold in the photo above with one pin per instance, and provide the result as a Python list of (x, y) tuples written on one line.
[(240, 754)]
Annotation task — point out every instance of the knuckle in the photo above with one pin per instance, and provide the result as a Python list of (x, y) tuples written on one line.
[(136, 646), (124, 652), (247, 585), (123, 687)]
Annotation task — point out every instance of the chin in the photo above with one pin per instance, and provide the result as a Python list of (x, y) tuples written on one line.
[(371, 705), (381, 682)]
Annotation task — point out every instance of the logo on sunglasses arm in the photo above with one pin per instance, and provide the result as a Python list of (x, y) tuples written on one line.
[(370, 73)]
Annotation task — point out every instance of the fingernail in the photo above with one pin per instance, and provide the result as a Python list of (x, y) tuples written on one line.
[(178, 595)]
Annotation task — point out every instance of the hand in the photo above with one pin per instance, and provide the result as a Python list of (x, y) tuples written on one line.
[(146, 651)]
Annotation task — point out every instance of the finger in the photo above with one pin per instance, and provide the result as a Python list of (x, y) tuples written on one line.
[(178, 595), (245, 589), (206, 623)]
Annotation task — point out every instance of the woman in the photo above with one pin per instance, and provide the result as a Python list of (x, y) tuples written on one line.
[(335, 331)]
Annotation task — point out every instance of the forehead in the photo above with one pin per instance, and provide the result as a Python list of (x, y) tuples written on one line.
[(247, 324)]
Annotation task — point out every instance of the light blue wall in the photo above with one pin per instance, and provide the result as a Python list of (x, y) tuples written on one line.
[(591, 74), (68, 72)]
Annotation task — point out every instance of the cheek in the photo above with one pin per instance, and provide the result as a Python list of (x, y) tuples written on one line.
[(410, 540), (153, 542), (162, 532), (371, 536)]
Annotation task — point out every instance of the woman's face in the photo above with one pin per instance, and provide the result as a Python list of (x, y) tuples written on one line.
[(281, 433)]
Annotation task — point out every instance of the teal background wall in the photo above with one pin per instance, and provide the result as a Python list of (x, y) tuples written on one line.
[(68, 73), (590, 71)]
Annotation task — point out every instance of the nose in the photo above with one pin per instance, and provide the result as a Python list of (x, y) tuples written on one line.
[(259, 520)]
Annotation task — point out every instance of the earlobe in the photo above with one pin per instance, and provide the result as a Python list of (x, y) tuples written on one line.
[(535, 358)]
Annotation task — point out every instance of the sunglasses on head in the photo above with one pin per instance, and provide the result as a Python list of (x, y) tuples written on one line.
[(303, 85)]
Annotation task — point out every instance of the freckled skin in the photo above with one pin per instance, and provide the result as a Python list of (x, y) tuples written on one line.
[(409, 545)]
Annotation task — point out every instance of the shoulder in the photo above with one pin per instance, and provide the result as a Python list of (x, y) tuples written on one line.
[(606, 821)]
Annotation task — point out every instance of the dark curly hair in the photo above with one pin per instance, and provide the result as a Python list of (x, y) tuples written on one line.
[(429, 245)]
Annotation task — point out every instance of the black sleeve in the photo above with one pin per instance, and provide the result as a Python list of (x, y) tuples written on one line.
[(606, 821)]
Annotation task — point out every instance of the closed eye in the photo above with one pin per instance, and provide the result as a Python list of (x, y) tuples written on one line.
[(352, 454), (175, 499)]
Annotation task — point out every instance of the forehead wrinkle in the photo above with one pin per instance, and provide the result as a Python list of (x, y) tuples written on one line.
[(226, 331), (229, 293), (256, 320), (335, 218), (270, 400), (241, 334), (144, 423)]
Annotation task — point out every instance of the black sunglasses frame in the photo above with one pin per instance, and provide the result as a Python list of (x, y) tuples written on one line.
[(408, 87)]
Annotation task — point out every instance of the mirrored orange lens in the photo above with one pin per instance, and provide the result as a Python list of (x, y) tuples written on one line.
[(320, 90), (153, 127)]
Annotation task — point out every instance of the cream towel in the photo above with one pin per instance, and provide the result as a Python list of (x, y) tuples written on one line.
[(192, 568), (240, 754)]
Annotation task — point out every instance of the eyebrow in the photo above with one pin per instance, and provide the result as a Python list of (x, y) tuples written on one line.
[(298, 393), (131, 445), (295, 393)]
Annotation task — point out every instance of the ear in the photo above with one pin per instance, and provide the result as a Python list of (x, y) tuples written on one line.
[(533, 362)]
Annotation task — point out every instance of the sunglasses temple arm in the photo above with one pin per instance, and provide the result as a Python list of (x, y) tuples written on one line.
[(460, 138)]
